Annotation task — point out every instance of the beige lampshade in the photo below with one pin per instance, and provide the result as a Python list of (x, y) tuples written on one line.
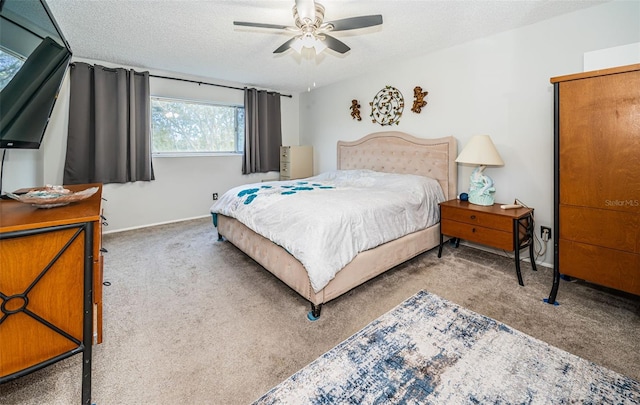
[(480, 150)]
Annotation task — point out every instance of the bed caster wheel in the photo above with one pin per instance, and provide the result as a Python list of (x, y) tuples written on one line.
[(314, 314)]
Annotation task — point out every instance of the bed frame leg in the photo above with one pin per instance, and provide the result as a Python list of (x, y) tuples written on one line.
[(314, 314)]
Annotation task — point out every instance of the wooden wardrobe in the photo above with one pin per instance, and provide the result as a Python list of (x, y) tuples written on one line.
[(597, 178)]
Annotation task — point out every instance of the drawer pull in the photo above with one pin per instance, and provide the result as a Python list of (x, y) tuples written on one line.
[(473, 217), (473, 230)]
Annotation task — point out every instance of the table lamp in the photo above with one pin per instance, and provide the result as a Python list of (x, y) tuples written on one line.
[(480, 151)]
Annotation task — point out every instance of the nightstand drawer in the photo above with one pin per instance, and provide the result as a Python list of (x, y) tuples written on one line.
[(474, 217), (479, 234)]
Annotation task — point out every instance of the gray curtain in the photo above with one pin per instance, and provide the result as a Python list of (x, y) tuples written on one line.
[(263, 131), (109, 126)]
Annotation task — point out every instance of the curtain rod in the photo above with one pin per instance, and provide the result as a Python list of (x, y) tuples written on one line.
[(198, 82), (208, 84)]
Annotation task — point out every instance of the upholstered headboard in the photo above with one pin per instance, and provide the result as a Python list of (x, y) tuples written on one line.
[(398, 152)]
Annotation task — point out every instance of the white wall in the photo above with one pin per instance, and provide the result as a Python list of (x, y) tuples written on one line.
[(498, 85), (611, 57), (184, 185)]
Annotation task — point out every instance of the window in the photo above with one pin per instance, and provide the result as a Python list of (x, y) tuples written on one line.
[(192, 127), (9, 66)]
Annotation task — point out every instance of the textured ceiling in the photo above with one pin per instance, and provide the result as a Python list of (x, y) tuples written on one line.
[(197, 37)]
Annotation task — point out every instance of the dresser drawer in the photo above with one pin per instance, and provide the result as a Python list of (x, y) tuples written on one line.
[(285, 154), (473, 217), (475, 233), (285, 169), (608, 267), (604, 227)]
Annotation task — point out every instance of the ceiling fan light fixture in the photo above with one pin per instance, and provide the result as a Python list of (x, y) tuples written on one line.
[(297, 45), (308, 40), (319, 46)]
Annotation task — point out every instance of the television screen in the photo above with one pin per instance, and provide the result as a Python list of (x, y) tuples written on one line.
[(33, 60)]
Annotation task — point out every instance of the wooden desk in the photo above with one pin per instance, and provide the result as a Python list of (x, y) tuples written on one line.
[(50, 285), (510, 230)]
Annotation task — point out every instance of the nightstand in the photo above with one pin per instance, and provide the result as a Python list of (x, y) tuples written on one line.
[(510, 230)]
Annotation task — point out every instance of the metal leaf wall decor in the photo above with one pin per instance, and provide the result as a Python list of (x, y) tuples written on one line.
[(387, 106)]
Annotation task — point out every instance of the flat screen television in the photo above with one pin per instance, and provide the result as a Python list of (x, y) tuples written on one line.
[(34, 57)]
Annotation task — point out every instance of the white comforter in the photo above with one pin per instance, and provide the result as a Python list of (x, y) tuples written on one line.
[(326, 220)]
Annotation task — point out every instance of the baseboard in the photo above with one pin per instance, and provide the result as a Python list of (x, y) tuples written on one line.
[(154, 224)]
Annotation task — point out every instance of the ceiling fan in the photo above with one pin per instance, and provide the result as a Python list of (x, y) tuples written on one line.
[(311, 31)]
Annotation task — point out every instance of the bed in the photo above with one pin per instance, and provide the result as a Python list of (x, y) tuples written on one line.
[(387, 152)]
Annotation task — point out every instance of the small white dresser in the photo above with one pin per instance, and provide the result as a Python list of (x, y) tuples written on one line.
[(296, 162)]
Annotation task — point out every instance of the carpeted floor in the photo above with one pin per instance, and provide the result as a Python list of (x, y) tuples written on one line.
[(188, 319), (429, 350)]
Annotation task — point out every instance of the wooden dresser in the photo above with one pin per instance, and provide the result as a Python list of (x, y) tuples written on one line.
[(296, 162), (50, 285), (597, 178)]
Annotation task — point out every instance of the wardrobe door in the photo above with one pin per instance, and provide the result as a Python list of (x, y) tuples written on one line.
[(600, 142)]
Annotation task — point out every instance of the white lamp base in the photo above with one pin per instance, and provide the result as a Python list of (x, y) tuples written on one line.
[(481, 199), (481, 188)]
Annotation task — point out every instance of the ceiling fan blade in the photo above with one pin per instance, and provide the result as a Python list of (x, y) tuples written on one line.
[(261, 25), (285, 46), (335, 44), (356, 22), (306, 9)]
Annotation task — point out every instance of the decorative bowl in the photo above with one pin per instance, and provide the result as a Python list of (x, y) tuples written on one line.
[(52, 196)]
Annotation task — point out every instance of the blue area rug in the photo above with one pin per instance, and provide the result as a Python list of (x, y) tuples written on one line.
[(431, 351)]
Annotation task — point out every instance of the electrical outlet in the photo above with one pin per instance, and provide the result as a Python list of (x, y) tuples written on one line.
[(215, 196), (545, 233)]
